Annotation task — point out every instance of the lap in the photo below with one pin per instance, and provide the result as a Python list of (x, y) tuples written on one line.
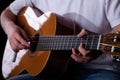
[(87, 74), (92, 74), (98, 74), (24, 77)]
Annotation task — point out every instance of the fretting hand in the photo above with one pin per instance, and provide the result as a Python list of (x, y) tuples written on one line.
[(83, 55)]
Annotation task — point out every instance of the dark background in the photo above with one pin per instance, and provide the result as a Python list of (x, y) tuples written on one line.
[(3, 37)]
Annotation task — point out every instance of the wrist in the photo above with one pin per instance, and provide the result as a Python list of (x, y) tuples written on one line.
[(9, 27)]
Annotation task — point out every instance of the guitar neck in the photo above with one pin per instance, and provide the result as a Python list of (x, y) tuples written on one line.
[(60, 42)]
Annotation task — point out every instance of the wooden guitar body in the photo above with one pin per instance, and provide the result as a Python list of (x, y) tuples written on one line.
[(45, 63)]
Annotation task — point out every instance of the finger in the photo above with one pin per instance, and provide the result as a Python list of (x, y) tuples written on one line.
[(22, 41), (86, 59), (77, 57), (82, 33), (74, 51), (15, 45), (25, 36), (83, 51)]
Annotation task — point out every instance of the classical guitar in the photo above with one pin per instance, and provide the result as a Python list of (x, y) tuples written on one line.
[(51, 41)]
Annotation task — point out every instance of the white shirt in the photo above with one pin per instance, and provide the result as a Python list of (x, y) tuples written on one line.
[(95, 15)]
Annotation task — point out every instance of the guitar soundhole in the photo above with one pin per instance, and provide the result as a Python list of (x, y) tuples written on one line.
[(34, 42)]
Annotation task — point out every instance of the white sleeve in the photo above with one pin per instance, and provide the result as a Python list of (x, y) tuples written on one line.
[(16, 5), (113, 12)]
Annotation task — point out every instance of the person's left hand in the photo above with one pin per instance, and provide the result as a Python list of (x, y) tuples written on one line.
[(81, 54)]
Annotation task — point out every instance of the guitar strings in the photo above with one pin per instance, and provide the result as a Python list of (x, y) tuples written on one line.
[(61, 41)]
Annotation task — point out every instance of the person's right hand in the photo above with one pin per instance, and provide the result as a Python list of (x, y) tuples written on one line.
[(17, 37)]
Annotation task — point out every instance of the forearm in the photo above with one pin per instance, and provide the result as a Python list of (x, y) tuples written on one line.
[(7, 20)]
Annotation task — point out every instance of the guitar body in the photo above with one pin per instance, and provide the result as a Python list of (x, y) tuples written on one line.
[(46, 63)]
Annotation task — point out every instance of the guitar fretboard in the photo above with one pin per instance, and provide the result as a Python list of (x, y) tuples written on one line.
[(60, 42)]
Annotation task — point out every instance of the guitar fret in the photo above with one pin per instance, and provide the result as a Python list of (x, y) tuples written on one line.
[(99, 42), (95, 42), (61, 46), (50, 42), (71, 42), (75, 43), (86, 42), (67, 42), (114, 40), (92, 42), (55, 41), (64, 47)]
